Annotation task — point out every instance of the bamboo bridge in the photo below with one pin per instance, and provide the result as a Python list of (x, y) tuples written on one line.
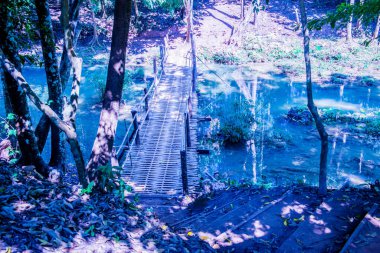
[(158, 154)]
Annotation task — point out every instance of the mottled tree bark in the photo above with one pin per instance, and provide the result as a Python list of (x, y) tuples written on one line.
[(103, 145), (68, 129), (72, 15), (69, 16), (43, 126), (310, 104), (25, 134), (53, 80)]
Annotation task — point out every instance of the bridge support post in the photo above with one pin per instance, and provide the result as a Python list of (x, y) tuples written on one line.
[(136, 126), (185, 183), (187, 129), (162, 57), (146, 100), (155, 66)]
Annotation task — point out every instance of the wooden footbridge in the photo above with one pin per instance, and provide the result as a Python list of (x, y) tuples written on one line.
[(158, 153)]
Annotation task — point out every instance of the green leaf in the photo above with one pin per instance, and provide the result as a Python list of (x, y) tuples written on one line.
[(11, 116), (12, 132)]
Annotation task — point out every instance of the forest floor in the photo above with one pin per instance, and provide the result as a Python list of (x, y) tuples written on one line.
[(42, 216), (38, 215)]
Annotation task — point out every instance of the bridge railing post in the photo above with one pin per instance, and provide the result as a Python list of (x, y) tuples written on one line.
[(155, 66), (187, 129), (185, 183), (146, 100), (162, 57), (136, 126)]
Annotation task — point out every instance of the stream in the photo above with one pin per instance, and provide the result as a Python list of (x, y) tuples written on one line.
[(280, 153)]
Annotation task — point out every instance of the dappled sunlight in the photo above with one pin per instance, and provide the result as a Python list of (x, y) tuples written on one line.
[(22, 206), (294, 207), (259, 229)]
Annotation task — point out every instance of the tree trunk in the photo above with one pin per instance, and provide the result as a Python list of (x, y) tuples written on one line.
[(349, 24), (9, 110), (69, 17), (188, 7), (375, 34), (237, 30), (242, 5), (95, 40), (256, 12), (310, 104), (103, 145), (103, 6), (68, 129), (359, 24), (25, 135), (136, 9), (53, 80)]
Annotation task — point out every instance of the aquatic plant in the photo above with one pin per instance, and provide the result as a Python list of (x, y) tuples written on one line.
[(233, 121)]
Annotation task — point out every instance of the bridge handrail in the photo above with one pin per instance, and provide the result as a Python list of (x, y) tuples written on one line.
[(186, 140), (157, 77)]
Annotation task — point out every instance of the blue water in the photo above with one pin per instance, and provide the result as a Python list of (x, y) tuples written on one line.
[(89, 103), (351, 157)]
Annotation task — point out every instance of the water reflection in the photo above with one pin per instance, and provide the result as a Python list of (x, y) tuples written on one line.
[(285, 152)]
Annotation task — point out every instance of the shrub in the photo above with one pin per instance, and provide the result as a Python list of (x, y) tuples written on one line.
[(138, 74), (373, 127), (300, 115), (234, 120), (224, 57)]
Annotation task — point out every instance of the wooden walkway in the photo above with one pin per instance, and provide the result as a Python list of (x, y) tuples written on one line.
[(154, 165)]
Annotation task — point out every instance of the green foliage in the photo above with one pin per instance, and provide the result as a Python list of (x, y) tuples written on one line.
[(88, 189), (99, 80), (7, 131), (21, 28), (368, 12), (138, 74), (225, 57), (110, 180), (165, 4), (373, 127), (233, 120)]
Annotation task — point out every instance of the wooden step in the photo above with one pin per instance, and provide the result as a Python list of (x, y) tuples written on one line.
[(329, 226), (366, 237)]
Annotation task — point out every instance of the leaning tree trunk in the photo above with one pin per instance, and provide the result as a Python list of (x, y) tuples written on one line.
[(25, 134), (53, 80), (103, 145), (349, 24), (68, 129), (310, 104)]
